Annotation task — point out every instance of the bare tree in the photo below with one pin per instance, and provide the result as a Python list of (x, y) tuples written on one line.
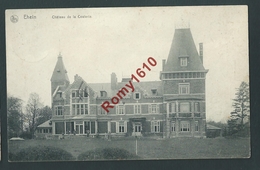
[(32, 111)]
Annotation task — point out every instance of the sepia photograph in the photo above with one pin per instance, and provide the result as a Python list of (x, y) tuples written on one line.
[(127, 83)]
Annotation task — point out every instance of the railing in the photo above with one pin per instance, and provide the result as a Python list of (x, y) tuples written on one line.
[(174, 115), (185, 114), (196, 114)]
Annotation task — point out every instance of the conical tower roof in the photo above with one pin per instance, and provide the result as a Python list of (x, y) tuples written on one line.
[(183, 46), (59, 72)]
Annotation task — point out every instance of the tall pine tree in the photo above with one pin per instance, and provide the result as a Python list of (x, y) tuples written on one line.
[(241, 104)]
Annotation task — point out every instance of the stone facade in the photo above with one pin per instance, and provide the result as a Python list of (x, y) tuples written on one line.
[(171, 107)]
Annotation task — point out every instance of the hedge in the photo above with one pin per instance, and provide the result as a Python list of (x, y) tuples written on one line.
[(107, 153), (41, 153)]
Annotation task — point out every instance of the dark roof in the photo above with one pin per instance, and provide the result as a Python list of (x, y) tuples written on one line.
[(212, 127), (45, 124), (97, 87), (183, 46), (59, 72), (146, 87)]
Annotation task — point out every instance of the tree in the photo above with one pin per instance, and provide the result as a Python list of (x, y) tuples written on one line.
[(241, 111), (32, 111), (45, 114), (14, 116), (241, 103)]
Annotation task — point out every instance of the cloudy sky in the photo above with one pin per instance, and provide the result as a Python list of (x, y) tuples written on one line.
[(100, 41)]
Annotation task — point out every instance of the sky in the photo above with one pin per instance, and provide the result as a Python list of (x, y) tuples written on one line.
[(94, 42)]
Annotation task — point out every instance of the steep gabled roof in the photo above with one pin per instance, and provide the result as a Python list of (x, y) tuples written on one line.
[(146, 87), (59, 72), (183, 46)]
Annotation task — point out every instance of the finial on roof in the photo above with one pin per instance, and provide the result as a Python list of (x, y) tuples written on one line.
[(60, 56)]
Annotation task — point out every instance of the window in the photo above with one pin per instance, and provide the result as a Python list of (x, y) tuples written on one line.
[(183, 61), (185, 126), (196, 107), (184, 88), (80, 109), (185, 107), (137, 109), (86, 109), (155, 126), (173, 127), (45, 131), (196, 126), (79, 93), (120, 109), (75, 93), (73, 109), (153, 108), (59, 110), (173, 107), (137, 96), (121, 127)]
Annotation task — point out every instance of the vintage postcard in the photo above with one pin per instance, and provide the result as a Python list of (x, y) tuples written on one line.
[(128, 83)]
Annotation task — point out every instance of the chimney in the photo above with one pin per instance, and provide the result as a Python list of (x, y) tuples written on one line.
[(163, 64), (76, 77), (201, 52), (113, 81)]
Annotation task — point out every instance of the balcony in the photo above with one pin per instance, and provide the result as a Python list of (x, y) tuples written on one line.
[(185, 114)]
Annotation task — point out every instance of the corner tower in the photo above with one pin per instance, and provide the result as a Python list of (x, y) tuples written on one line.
[(59, 76), (183, 77)]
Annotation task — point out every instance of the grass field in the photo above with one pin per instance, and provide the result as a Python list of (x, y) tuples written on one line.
[(175, 148)]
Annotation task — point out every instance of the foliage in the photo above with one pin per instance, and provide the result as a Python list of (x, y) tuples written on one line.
[(14, 116), (106, 153), (32, 111), (41, 153), (221, 125), (241, 103), (45, 114), (241, 111), (26, 135)]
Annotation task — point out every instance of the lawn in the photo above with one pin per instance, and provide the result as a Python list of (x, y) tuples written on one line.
[(175, 148)]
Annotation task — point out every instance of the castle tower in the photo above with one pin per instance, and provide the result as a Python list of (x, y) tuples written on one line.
[(59, 76), (183, 77)]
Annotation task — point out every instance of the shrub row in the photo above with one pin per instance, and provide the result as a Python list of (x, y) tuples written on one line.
[(41, 153), (48, 153), (107, 154)]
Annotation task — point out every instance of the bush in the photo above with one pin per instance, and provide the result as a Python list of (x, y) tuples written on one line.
[(107, 153), (26, 135), (41, 153)]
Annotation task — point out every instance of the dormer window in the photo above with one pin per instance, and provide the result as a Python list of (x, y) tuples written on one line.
[(79, 93), (183, 61), (154, 91), (103, 94), (137, 96)]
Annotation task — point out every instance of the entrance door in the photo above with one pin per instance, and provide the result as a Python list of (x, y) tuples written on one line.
[(79, 129), (137, 128)]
